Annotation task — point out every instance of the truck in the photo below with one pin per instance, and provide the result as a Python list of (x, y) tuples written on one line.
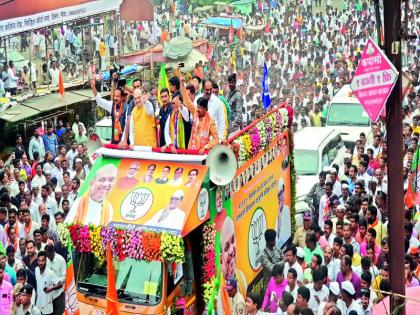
[(348, 116), (181, 225)]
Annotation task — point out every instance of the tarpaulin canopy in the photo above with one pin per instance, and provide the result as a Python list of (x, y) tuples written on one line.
[(143, 194), (177, 47), (37, 105), (243, 6), (224, 22), (189, 61)]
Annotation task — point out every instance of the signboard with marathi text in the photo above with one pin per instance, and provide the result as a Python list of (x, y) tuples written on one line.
[(373, 80)]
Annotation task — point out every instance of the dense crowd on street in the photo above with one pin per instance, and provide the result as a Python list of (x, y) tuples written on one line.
[(337, 262)]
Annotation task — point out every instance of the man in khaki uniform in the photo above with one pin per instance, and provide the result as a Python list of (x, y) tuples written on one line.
[(300, 234), (236, 299)]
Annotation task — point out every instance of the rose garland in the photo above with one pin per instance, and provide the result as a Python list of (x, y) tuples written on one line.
[(139, 245), (259, 137), (209, 256)]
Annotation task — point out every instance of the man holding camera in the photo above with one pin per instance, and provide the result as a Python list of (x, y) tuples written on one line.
[(117, 107)]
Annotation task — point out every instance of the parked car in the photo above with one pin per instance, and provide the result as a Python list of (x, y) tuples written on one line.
[(348, 116), (316, 149)]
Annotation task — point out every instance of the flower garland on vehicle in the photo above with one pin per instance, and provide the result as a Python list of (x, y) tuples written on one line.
[(63, 234), (209, 256), (172, 248), (292, 181), (139, 245), (259, 137)]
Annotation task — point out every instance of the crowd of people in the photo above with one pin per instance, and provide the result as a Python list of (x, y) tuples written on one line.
[(337, 260)]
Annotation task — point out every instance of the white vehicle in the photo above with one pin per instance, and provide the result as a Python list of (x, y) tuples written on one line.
[(316, 149), (348, 116)]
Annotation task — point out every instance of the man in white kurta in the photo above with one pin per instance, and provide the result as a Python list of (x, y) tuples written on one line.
[(171, 217)]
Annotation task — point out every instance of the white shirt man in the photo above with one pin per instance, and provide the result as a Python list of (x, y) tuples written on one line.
[(317, 297), (58, 266), (171, 217), (70, 155), (295, 266), (215, 109), (46, 279)]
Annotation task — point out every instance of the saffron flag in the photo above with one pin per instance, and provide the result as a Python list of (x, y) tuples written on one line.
[(231, 32), (163, 81), (71, 302), (61, 84), (111, 291), (412, 196), (265, 89)]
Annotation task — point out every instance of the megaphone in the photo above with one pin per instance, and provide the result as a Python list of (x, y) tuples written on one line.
[(223, 165)]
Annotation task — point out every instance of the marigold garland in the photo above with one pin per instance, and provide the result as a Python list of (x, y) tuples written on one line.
[(151, 244), (172, 248), (96, 243)]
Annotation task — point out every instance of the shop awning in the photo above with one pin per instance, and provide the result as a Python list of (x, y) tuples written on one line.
[(224, 22), (38, 105), (146, 194)]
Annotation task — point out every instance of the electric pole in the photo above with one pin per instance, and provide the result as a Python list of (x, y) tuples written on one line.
[(392, 45)]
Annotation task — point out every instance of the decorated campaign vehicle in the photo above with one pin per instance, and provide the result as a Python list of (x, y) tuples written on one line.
[(178, 226)]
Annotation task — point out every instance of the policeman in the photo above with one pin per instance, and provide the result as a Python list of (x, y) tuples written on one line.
[(26, 307), (236, 299)]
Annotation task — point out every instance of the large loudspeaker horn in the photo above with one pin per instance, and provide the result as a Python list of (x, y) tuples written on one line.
[(223, 165)]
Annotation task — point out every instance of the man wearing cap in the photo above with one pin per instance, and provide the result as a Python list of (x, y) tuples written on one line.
[(171, 217), (237, 301), (345, 193), (347, 303), (93, 207), (283, 218), (334, 294), (300, 234), (26, 307)]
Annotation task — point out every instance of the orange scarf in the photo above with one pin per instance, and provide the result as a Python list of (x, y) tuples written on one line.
[(83, 209), (117, 124), (200, 133), (28, 230)]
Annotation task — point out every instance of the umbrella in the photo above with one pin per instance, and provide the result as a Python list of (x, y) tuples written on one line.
[(412, 306)]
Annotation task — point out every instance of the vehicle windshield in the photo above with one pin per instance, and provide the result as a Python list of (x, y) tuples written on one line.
[(306, 162), (347, 114), (137, 281)]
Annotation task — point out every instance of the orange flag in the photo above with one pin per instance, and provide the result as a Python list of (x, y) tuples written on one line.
[(111, 292), (61, 84), (71, 302)]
